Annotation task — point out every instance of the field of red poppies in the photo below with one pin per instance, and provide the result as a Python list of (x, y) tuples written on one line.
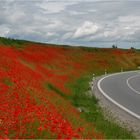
[(35, 91)]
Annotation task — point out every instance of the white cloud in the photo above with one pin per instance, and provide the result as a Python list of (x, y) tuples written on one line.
[(16, 16), (129, 19), (4, 31), (67, 35), (50, 34), (111, 33), (54, 6), (54, 24), (88, 28), (125, 29), (92, 10), (83, 22), (74, 13), (130, 22)]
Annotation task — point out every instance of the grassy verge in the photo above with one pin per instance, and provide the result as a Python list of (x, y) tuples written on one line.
[(92, 112), (12, 42), (51, 87)]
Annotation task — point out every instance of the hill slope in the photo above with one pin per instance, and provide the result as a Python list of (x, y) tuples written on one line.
[(43, 86)]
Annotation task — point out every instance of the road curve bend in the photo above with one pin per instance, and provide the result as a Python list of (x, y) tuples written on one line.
[(123, 89)]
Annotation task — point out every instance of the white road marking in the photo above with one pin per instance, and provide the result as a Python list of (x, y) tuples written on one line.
[(112, 100), (129, 85)]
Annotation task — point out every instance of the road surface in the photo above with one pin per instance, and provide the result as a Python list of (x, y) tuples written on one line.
[(123, 89)]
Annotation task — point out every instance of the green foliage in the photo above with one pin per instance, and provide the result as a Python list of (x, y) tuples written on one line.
[(91, 110), (89, 49), (7, 81), (12, 42), (114, 46), (93, 113), (56, 90)]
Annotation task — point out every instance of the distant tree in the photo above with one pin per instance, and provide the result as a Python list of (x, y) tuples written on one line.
[(132, 48), (114, 46)]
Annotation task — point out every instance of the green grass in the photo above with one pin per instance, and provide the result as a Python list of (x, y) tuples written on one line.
[(53, 88), (33, 129), (7, 82), (93, 113), (12, 42)]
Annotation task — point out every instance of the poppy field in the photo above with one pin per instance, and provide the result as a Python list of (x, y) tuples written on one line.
[(40, 86)]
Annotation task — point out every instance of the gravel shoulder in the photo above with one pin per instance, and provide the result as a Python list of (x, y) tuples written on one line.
[(115, 113)]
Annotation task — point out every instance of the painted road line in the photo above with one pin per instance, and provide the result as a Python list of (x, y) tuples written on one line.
[(112, 100), (129, 85)]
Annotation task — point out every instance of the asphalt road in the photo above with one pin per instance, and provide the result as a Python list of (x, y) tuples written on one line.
[(123, 89)]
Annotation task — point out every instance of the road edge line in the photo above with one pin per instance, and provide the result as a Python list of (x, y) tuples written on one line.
[(113, 101)]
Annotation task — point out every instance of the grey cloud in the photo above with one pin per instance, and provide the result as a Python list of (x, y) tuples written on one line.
[(65, 21)]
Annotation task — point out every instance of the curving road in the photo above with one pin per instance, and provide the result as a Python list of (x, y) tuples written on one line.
[(123, 89)]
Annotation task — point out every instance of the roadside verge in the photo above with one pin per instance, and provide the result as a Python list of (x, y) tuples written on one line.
[(114, 112)]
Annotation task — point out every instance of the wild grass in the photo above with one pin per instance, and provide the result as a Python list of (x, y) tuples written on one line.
[(12, 42), (90, 109), (56, 90), (93, 113)]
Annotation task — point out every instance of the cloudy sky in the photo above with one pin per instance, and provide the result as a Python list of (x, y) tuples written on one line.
[(99, 23)]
